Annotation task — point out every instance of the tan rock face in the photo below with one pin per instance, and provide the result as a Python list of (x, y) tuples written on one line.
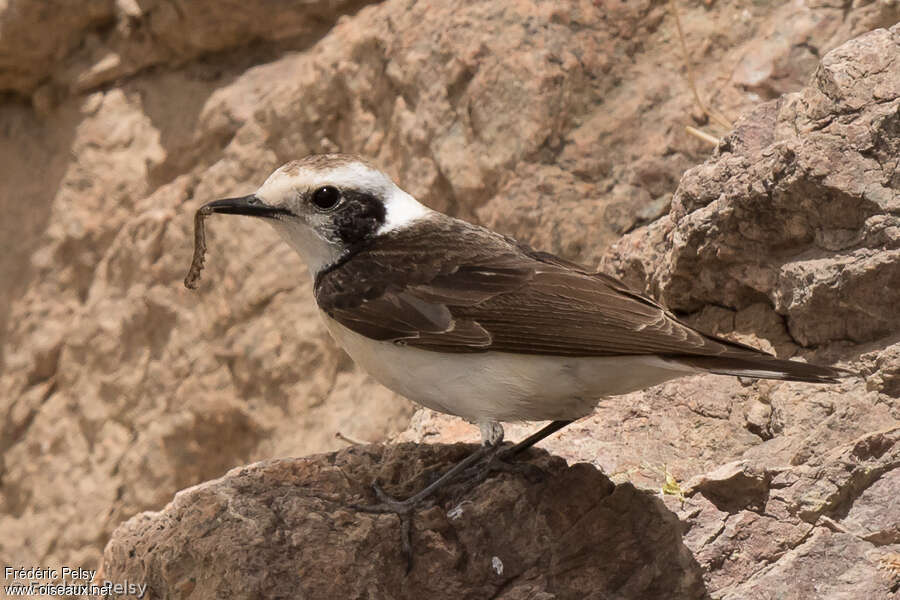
[(35, 36), (802, 198), (563, 127), (67, 46)]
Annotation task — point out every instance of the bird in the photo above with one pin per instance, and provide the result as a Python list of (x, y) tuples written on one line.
[(466, 321)]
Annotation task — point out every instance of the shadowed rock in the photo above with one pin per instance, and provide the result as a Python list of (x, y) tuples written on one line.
[(286, 528)]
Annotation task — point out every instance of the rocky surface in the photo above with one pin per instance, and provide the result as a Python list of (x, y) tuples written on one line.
[(776, 472), (803, 200), (288, 528), (562, 127), (101, 41)]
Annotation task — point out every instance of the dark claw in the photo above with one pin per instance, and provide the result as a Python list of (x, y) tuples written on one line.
[(403, 509), (502, 462), (406, 535)]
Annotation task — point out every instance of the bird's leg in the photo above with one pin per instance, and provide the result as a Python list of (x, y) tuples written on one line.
[(491, 438), (499, 461), (534, 438), (389, 504), (491, 433), (404, 508)]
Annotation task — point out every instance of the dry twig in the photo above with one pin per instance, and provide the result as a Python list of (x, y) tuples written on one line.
[(712, 114)]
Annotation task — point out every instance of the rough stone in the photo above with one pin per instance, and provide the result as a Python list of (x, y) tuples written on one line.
[(564, 127), (803, 201), (96, 42), (821, 529), (288, 528), (568, 532)]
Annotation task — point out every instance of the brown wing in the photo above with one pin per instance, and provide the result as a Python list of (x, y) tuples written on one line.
[(453, 287)]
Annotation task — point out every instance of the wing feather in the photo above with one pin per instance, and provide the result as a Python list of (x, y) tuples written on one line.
[(450, 286)]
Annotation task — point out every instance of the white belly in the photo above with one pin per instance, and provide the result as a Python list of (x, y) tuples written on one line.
[(500, 386)]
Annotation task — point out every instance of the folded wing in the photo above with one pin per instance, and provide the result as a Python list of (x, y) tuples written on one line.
[(454, 287)]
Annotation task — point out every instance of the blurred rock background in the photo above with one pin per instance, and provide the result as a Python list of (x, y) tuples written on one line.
[(562, 124)]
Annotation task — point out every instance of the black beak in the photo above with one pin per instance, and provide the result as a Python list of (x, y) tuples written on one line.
[(250, 206)]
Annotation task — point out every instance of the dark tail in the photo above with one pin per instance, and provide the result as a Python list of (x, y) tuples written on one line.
[(764, 367)]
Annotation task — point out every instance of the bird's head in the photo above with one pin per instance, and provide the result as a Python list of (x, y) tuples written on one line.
[(327, 204)]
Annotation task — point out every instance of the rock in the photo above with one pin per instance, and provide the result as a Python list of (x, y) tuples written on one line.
[(27, 52), (786, 215), (885, 373), (734, 486), (797, 206), (824, 565), (561, 126), (781, 478), (101, 40), (819, 530), (283, 528), (570, 532)]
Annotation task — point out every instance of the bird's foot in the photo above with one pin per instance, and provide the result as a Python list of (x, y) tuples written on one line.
[(404, 509), (388, 504), (498, 459), (502, 461)]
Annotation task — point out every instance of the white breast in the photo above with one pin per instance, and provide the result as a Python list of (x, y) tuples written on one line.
[(499, 386)]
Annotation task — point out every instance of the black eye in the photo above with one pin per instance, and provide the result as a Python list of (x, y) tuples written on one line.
[(326, 197)]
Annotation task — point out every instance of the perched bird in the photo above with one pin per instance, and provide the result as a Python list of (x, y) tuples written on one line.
[(469, 322)]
